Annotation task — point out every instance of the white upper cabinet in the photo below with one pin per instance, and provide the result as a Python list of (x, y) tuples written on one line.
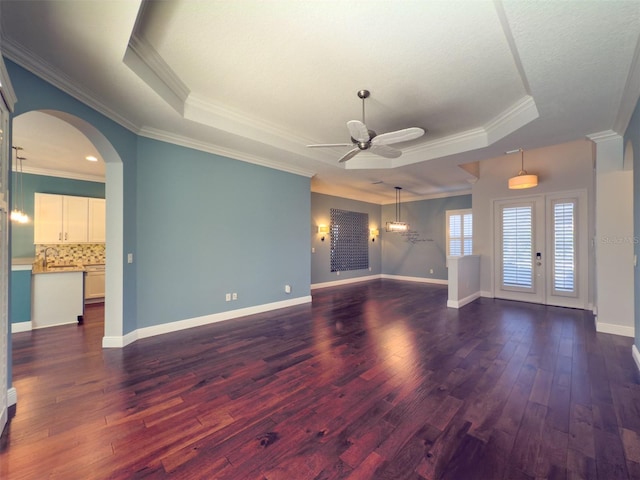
[(97, 220), (67, 219), (75, 215)]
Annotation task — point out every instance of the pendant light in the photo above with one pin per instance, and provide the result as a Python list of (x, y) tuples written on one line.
[(18, 214), (398, 225), (523, 179)]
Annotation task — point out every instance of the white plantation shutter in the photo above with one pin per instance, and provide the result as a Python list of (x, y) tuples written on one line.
[(467, 233), (517, 247), (459, 232), (455, 236), (564, 247)]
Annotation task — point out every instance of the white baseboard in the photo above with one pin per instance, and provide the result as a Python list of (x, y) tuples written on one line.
[(119, 342), (614, 329), (464, 301), (21, 327), (636, 355), (12, 397), (436, 281), (485, 294), (152, 331), (346, 281)]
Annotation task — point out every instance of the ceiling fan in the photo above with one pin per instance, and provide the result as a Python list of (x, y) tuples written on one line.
[(364, 139)]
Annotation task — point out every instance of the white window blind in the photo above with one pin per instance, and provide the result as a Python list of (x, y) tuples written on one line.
[(564, 250), (517, 247), (459, 232)]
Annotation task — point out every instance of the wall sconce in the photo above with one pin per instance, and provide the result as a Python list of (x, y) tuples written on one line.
[(374, 232), (323, 230)]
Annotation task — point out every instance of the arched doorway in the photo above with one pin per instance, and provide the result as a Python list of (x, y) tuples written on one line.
[(113, 322)]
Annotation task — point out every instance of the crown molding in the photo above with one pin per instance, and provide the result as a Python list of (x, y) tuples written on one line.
[(630, 94), (6, 89), (62, 174), (200, 110), (48, 73), (147, 63), (518, 115), (225, 152), (604, 136)]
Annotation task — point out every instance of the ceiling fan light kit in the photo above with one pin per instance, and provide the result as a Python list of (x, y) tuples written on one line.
[(363, 139), (523, 179)]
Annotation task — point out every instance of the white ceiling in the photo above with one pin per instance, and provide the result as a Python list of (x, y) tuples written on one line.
[(257, 81)]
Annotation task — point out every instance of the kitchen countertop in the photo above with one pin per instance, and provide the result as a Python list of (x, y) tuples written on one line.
[(38, 268)]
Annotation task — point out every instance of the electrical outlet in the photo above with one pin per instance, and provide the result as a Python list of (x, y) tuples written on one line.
[(287, 289), (227, 297), (431, 270), (313, 249), (234, 296)]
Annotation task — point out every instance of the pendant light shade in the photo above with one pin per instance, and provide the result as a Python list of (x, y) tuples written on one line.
[(18, 214), (523, 179), (398, 225)]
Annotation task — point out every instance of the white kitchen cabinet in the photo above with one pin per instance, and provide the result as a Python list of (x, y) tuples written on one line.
[(47, 219), (57, 298), (74, 219), (97, 220), (65, 219), (94, 282)]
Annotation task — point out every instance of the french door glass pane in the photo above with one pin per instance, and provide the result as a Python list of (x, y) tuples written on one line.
[(564, 247), (517, 244)]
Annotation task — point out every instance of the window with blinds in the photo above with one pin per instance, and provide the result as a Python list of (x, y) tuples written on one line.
[(564, 247), (459, 232), (517, 247)]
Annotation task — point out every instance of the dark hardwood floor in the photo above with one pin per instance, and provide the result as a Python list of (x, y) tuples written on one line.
[(376, 380)]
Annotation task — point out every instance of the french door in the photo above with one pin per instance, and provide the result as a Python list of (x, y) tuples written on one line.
[(541, 249)]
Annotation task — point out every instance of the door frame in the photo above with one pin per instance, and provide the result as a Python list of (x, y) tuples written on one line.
[(543, 216)]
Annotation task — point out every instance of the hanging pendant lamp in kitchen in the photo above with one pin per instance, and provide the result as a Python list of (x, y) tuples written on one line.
[(17, 213)]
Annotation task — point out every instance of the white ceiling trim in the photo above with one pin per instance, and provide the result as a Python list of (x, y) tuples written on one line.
[(62, 174), (457, 193), (225, 152), (630, 94), (197, 109), (44, 70), (603, 136), (147, 63)]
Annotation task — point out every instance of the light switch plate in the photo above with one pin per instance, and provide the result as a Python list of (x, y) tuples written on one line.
[(130, 258)]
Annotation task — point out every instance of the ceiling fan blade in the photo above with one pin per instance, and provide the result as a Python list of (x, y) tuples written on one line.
[(321, 145), (398, 136), (358, 130), (384, 151), (349, 155)]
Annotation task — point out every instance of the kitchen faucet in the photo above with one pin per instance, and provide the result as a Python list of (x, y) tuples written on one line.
[(45, 254)]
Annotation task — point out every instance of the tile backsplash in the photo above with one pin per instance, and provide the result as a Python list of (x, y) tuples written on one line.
[(72, 254)]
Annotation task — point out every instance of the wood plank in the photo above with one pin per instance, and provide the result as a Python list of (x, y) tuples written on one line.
[(404, 388)]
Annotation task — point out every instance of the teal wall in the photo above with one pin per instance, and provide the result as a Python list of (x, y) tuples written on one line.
[(632, 139), (20, 304), (198, 225), (34, 93), (320, 260), (22, 234), (208, 225), (425, 248)]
